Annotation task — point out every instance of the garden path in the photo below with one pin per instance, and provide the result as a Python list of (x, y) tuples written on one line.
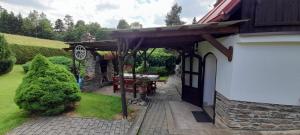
[(63, 125)]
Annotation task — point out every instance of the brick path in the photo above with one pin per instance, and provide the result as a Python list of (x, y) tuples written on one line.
[(71, 126)]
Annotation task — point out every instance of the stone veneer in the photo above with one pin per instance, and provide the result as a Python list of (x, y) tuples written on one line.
[(256, 116)]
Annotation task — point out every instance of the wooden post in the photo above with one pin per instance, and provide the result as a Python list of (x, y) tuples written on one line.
[(145, 60), (123, 49), (121, 57), (122, 87), (74, 65), (134, 74)]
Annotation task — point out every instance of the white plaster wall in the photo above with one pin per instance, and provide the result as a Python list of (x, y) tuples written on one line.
[(264, 69), (267, 69), (224, 67)]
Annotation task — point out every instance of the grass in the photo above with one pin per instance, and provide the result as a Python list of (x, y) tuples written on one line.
[(98, 105), (31, 41), (91, 104), (11, 115), (163, 78)]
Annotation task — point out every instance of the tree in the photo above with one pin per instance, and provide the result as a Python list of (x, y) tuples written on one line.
[(173, 17), (1, 9), (37, 25), (31, 23), (194, 20), (3, 21), (102, 34), (44, 28), (19, 23), (136, 25), (59, 25), (93, 28), (80, 23), (69, 22), (123, 24), (28, 27)]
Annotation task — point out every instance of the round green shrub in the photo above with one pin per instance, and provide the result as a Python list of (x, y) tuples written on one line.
[(47, 89), (7, 59)]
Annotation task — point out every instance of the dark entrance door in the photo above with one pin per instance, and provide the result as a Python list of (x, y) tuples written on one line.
[(191, 79)]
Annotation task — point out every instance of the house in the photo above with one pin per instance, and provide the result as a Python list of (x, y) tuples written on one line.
[(240, 62), (259, 87)]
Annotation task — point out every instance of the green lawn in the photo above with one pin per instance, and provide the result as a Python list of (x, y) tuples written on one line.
[(31, 41), (163, 78), (91, 105), (11, 115), (100, 106)]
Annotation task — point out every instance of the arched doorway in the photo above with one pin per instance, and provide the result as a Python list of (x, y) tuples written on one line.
[(209, 84)]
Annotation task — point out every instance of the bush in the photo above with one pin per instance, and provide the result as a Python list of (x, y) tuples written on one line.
[(26, 66), (59, 60), (7, 59), (162, 71), (160, 58), (27, 53), (47, 89)]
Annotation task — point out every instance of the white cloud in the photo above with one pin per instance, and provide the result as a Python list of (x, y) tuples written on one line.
[(107, 12)]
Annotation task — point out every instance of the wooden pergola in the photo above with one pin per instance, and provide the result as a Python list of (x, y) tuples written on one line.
[(183, 37)]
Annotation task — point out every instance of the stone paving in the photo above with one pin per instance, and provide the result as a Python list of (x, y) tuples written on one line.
[(155, 121), (63, 125), (168, 115)]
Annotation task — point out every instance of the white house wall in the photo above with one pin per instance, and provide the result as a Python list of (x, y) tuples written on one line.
[(264, 69), (224, 68), (267, 69)]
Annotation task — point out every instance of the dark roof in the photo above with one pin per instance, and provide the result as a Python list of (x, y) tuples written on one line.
[(220, 12), (177, 37), (178, 30)]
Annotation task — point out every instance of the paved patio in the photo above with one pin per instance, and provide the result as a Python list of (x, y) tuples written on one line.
[(63, 125), (168, 115)]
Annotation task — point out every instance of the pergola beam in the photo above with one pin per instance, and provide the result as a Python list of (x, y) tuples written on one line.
[(172, 33), (226, 51)]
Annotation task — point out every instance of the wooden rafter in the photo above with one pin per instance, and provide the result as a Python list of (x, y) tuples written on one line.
[(226, 51)]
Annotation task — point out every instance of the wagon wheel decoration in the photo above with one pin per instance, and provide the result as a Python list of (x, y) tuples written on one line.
[(80, 52)]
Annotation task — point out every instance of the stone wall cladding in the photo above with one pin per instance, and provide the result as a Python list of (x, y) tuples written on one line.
[(256, 116)]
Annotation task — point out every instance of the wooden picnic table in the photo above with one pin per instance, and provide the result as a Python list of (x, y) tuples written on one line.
[(146, 83)]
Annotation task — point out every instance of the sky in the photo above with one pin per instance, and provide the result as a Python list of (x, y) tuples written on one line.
[(150, 13)]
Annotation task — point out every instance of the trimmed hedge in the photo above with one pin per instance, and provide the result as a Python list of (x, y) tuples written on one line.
[(159, 58), (27, 53), (7, 59), (47, 89), (162, 71), (61, 61)]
